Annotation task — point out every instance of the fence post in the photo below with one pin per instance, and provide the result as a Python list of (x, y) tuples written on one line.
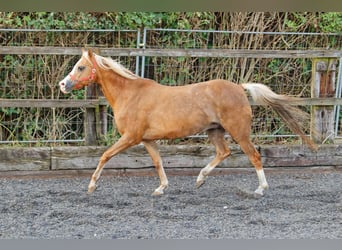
[(103, 115), (90, 118), (95, 118), (323, 85)]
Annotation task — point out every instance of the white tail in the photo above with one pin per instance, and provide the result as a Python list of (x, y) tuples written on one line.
[(262, 94), (295, 118)]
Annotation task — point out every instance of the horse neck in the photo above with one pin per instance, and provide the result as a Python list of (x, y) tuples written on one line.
[(115, 87)]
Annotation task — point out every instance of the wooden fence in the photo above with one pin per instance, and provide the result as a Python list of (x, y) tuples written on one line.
[(323, 83), (177, 159)]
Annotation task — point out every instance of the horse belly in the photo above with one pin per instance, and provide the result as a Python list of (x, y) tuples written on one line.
[(171, 127), (187, 111)]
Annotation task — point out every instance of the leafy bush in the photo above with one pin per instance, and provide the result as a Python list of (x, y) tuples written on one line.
[(35, 76)]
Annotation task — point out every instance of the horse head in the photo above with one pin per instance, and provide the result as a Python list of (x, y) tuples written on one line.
[(82, 74)]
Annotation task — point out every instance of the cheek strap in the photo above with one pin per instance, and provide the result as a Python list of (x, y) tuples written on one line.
[(90, 78)]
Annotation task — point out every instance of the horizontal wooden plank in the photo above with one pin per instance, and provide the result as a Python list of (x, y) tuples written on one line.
[(75, 157), (228, 53), (312, 102), (235, 53), (194, 156), (24, 159), (30, 50), (327, 155), (92, 103), (319, 101), (174, 157), (49, 103)]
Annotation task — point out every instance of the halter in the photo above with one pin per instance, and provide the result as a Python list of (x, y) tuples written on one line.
[(89, 78)]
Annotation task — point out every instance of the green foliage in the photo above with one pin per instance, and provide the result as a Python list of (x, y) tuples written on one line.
[(137, 20), (326, 22), (107, 20), (274, 65), (35, 76), (294, 21), (331, 22)]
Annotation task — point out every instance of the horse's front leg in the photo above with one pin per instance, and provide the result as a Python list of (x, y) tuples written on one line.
[(152, 149), (119, 146)]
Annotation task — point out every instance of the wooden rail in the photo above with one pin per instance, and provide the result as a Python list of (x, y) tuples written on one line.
[(93, 103), (319, 53), (48, 103), (175, 157)]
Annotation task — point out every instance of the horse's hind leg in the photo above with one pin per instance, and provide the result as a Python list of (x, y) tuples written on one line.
[(240, 132), (241, 135), (216, 137), (152, 149), (254, 157)]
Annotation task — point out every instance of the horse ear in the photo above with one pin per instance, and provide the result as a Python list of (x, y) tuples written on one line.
[(90, 53)]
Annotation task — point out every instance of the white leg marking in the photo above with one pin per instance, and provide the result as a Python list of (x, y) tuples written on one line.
[(91, 187), (92, 184), (164, 183), (159, 191), (262, 182), (203, 175)]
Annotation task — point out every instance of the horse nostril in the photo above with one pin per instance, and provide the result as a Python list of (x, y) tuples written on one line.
[(62, 83)]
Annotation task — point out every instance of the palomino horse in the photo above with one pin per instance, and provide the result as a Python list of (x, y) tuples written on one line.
[(146, 111)]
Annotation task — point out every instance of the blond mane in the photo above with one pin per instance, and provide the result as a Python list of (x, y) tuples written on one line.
[(108, 63)]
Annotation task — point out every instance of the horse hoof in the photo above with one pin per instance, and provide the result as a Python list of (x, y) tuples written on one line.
[(199, 183), (157, 193), (91, 189), (259, 193)]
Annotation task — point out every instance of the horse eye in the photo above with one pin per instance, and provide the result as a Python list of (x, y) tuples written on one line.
[(81, 68)]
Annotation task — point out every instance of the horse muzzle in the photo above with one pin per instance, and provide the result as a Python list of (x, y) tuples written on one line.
[(66, 86)]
